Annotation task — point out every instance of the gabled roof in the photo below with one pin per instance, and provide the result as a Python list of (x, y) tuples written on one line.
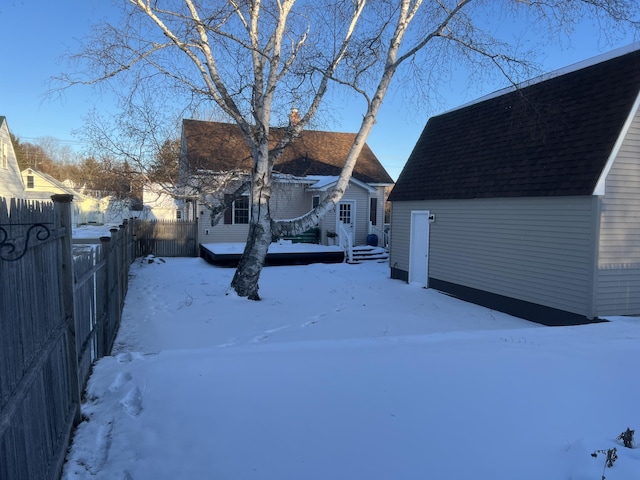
[(550, 138), (324, 183), (220, 147), (52, 181)]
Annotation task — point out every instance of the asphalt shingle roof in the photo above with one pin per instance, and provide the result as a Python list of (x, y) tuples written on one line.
[(220, 147), (551, 138)]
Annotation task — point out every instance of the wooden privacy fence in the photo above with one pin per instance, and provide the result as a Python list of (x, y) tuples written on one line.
[(58, 314), (166, 239)]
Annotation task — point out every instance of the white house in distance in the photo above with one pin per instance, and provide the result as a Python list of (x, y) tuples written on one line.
[(40, 186), (528, 201), (159, 205), (304, 173), (11, 185)]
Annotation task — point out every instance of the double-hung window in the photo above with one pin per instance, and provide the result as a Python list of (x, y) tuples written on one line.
[(238, 213), (241, 210)]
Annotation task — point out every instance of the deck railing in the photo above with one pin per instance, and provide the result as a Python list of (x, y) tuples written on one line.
[(346, 241)]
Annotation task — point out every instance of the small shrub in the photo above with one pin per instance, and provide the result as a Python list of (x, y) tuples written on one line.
[(627, 438), (612, 456)]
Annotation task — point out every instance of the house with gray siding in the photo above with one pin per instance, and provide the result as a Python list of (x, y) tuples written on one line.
[(528, 200), (11, 185), (303, 175)]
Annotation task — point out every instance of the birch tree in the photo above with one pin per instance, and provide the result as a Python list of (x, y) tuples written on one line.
[(256, 59)]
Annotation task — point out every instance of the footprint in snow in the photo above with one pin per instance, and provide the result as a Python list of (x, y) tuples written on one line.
[(266, 333), (121, 379), (273, 330), (128, 357), (315, 319), (132, 402), (102, 446), (124, 357)]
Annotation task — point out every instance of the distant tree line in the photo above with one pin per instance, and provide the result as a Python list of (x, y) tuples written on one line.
[(98, 176)]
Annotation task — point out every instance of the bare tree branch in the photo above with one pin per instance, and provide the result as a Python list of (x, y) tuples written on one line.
[(253, 59)]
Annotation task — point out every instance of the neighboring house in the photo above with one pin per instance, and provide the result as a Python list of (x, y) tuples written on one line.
[(308, 168), (528, 201), (10, 180), (159, 205), (40, 186)]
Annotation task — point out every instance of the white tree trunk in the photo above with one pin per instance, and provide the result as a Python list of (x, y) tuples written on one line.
[(245, 280)]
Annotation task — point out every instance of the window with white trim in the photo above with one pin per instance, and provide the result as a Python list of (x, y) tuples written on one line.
[(241, 210), (344, 214), (238, 212), (30, 181)]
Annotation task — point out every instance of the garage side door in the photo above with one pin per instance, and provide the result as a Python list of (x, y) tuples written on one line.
[(419, 248)]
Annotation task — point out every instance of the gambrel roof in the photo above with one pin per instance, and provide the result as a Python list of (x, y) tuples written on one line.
[(549, 138), (220, 147)]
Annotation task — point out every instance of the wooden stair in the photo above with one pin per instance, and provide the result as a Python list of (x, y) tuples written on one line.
[(367, 253)]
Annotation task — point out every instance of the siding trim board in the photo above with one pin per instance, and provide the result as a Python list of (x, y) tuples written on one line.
[(602, 181), (399, 274), (617, 276), (552, 317)]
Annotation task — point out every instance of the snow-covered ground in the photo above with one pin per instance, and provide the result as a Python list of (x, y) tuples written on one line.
[(93, 232), (340, 373)]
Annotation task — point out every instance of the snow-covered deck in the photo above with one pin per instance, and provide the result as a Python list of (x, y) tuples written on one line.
[(281, 253)]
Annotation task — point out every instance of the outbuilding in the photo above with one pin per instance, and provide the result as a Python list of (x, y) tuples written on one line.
[(528, 200)]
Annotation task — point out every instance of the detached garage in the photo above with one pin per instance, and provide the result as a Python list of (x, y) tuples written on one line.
[(528, 201)]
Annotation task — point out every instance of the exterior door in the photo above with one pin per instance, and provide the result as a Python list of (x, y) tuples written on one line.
[(345, 215), (419, 248)]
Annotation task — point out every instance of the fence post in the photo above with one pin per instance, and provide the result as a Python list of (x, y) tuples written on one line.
[(134, 237), (127, 241), (116, 280), (63, 204), (103, 298), (123, 266)]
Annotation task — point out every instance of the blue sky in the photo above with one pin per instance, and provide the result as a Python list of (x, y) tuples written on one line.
[(35, 35)]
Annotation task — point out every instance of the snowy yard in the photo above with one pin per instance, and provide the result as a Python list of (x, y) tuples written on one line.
[(340, 373)]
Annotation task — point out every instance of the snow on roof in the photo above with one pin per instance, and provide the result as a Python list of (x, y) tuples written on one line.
[(323, 182)]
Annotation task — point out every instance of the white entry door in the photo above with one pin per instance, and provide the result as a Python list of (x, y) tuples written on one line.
[(419, 248), (345, 215)]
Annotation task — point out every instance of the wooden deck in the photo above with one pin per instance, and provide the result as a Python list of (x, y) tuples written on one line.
[(284, 253)]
